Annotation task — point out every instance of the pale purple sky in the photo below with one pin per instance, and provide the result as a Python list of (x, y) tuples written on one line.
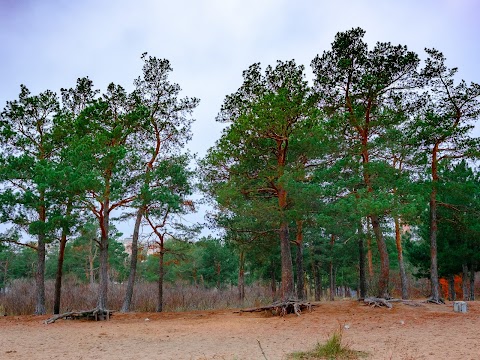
[(48, 44)]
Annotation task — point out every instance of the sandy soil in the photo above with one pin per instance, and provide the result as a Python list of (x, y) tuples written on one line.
[(404, 332)]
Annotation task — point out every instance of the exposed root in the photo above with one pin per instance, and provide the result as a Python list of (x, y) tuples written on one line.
[(406, 302), (94, 314), (282, 308), (377, 302), (435, 301)]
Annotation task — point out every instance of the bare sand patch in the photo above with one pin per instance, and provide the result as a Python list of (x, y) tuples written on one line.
[(404, 332)]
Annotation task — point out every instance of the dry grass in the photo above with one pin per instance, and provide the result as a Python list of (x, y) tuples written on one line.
[(20, 297), (334, 348)]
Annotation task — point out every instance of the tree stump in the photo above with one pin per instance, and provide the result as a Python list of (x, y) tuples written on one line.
[(460, 306)]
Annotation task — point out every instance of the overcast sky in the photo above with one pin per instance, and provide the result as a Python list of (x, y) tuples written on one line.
[(48, 44)]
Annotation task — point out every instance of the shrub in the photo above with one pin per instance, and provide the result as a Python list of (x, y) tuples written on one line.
[(333, 349)]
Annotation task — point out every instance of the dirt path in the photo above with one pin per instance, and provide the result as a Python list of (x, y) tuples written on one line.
[(428, 332)]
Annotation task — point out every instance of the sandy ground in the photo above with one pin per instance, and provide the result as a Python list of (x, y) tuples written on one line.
[(404, 332)]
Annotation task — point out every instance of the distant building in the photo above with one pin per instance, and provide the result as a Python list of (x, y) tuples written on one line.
[(144, 249)]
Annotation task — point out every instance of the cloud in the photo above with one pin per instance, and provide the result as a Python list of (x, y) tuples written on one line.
[(48, 44)]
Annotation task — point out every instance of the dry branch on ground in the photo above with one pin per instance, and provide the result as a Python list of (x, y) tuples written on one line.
[(94, 314), (379, 302), (283, 307)]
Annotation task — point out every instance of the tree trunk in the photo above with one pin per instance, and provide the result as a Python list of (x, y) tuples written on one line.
[(435, 287), (435, 293), (288, 289), (401, 264), (361, 263), (194, 276), (40, 269), (332, 270), (40, 277), (369, 250), (317, 272), (161, 271), (241, 276), (218, 270), (472, 283), (59, 274), (273, 281), (451, 288), (133, 262), (318, 285), (384, 261), (299, 262), (5, 276), (103, 268), (332, 282), (61, 257), (92, 254), (465, 282), (103, 274)]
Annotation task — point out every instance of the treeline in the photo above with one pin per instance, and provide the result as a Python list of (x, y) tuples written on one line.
[(205, 263), (379, 142), (376, 150)]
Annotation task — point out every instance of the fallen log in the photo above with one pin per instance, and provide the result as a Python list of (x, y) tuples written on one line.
[(283, 307), (94, 314)]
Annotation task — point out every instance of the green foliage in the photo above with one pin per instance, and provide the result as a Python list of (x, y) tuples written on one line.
[(81, 257), (217, 263), (206, 262), (19, 263), (458, 230), (374, 137)]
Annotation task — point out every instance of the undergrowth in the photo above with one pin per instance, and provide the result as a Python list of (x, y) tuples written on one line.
[(19, 299)]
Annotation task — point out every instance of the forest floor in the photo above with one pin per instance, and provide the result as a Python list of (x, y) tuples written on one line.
[(404, 332)]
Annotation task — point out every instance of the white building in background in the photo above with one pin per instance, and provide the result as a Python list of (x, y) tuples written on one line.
[(144, 248)]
